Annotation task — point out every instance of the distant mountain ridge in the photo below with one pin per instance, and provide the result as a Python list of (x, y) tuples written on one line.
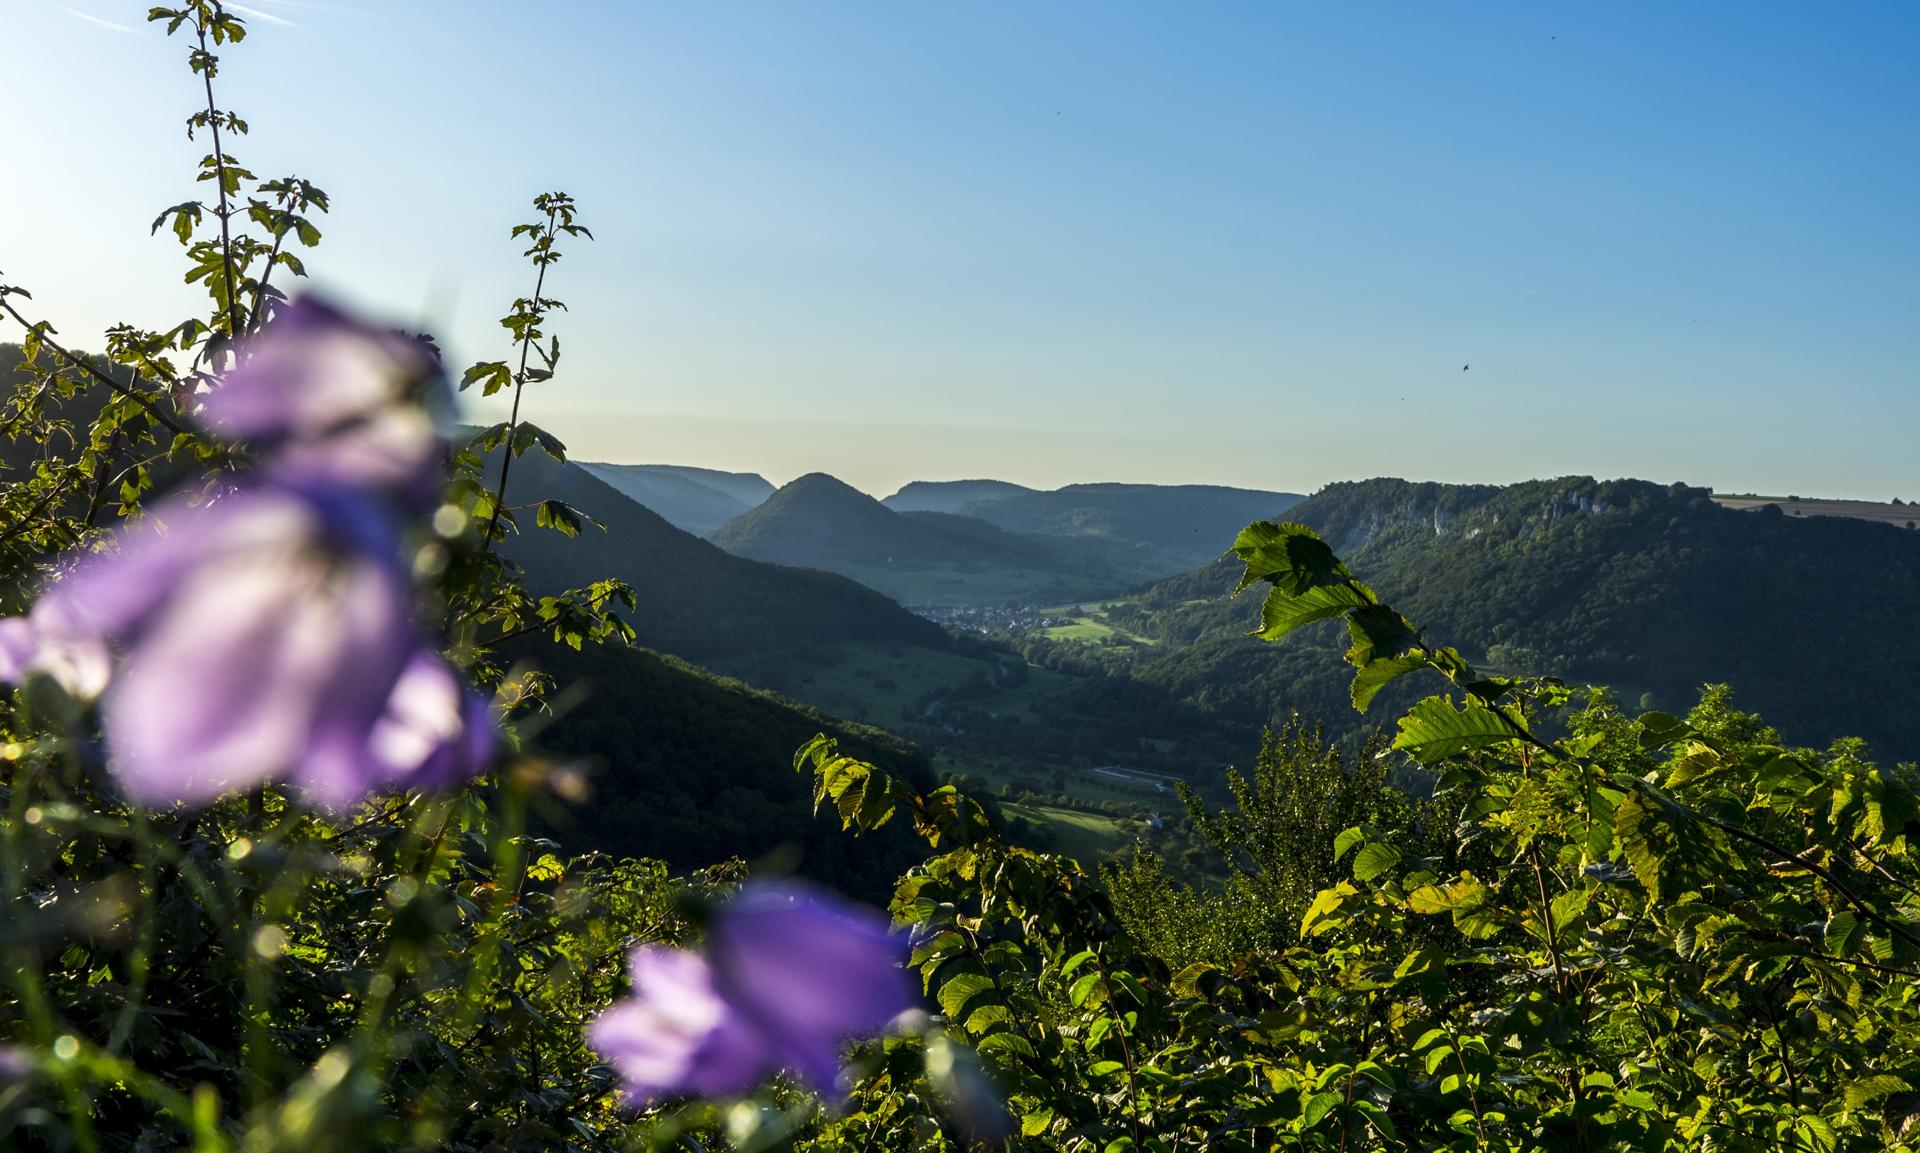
[(1188, 523), (696, 600), (695, 499), (822, 521), (1652, 588), (948, 495)]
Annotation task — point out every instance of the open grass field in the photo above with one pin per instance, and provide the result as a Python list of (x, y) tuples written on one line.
[(1899, 515), (1089, 838), (1088, 624)]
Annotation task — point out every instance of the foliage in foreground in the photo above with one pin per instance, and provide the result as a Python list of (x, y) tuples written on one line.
[(1639, 933), (1596, 932)]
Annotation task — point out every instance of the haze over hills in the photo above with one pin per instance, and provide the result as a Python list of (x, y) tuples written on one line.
[(695, 499), (696, 600), (1181, 524), (1652, 589), (916, 557), (947, 495), (818, 520), (1006, 543)]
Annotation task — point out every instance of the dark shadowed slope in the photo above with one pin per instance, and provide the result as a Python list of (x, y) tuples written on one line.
[(1653, 589), (947, 495), (696, 601), (682, 760)]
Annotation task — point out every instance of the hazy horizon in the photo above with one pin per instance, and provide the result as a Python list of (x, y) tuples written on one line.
[(1246, 245)]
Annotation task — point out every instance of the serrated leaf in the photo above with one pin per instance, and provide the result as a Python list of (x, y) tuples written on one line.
[(1318, 1106), (1285, 611), (1374, 860), (1292, 557), (1378, 674), (959, 990), (1435, 729), (1869, 1089), (1347, 839)]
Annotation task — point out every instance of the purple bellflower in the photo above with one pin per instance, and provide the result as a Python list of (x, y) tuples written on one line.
[(788, 975), (328, 400), (265, 635), (267, 632)]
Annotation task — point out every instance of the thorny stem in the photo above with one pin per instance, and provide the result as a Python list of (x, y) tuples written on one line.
[(260, 289), (519, 385), (220, 182)]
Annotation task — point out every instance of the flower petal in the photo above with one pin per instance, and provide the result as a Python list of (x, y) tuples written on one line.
[(809, 970)]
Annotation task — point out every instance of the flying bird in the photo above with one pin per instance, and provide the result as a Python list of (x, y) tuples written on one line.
[(1465, 367)]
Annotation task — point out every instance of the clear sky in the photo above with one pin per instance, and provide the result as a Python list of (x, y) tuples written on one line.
[(1234, 243)]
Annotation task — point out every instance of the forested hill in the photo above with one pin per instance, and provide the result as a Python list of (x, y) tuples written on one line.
[(681, 761), (695, 499), (696, 600), (947, 495), (821, 521), (1188, 524), (1653, 589)]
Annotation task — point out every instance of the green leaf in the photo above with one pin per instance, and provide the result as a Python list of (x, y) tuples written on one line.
[(1378, 633), (1327, 910), (1656, 841), (1082, 989), (961, 989), (1469, 901), (1871, 1088), (1377, 1117), (1318, 1106), (1285, 611), (1376, 675), (1435, 729), (1347, 839), (1186, 983), (1291, 557), (559, 516), (1374, 860), (494, 373), (1007, 1043)]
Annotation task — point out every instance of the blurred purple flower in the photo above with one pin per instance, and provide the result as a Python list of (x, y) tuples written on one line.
[(789, 974), (264, 635), (329, 400)]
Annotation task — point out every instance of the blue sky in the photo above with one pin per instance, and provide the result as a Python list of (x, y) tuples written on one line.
[(1234, 243)]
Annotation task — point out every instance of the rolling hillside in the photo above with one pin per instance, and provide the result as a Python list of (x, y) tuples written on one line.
[(1652, 589), (914, 557), (818, 520), (695, 499), (696, 600)]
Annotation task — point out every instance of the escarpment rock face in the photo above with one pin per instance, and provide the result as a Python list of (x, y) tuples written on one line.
[(1354, 515), (1652, 589)]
